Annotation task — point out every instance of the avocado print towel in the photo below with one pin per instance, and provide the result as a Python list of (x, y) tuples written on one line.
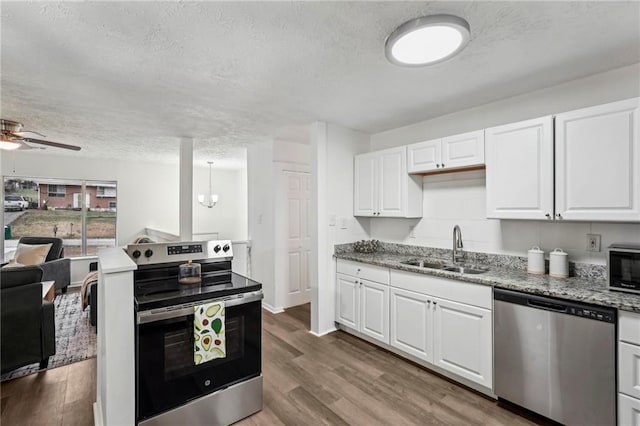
[(209, 332)]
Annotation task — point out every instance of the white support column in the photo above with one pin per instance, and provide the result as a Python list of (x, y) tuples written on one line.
[(116, 385), (322, 297), (186, 189)]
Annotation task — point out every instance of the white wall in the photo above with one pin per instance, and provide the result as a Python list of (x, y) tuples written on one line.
[(229, 216), (261, 218), (332, 149), (459, 198)]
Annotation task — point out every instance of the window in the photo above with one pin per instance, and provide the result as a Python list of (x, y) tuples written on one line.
[(57, 191), (63, 208), (105, 191)]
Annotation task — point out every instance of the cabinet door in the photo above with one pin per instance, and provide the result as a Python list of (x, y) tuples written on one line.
[(424, 156), (519, 159), (348, 303), (374, 310), (411, 323), (628, 411), (598, 163), (365, 186), (463, 150), (393, 182), (629, 369), (463, 341)]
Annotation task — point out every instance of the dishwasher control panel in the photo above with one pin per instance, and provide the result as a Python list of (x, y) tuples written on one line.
[(595, 314)]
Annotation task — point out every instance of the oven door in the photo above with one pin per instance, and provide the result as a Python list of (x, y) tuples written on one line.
[(167, 376)]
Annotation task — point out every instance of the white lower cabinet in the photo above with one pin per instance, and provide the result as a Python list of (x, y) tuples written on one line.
[(628, 369), (411, 323), (628, 411), (363, 306), (463, 340), (374, 310)]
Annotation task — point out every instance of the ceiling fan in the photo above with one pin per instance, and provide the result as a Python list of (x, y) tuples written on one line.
[(13, 137)]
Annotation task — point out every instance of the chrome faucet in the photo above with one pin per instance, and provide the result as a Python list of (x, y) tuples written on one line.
[(457, 243)]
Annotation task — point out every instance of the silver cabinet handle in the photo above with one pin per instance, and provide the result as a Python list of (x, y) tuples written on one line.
[(559, 216), (435, 303), (442, 165), (548, 216), (437, 165)]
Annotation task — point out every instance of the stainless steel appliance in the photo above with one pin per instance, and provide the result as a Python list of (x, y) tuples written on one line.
[(170, 388), (555, 357), (623, 267)]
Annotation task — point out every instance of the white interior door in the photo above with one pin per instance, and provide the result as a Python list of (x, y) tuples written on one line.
[(298, 289)]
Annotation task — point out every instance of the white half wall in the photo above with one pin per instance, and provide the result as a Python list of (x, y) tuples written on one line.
[(332, 150), (459, 198)]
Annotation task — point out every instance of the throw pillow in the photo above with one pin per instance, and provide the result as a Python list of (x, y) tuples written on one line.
[(32, 254)]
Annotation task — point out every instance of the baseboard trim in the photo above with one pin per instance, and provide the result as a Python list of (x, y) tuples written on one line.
[(271, 309), (97, 414), (324, 333)]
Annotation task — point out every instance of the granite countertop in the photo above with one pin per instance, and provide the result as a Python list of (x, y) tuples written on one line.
[(577, 289)]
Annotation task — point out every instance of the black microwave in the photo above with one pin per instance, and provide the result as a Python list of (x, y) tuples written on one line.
[(623, 267)]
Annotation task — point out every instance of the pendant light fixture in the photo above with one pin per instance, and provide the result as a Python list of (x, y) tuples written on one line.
[(213, 198), (427, 40)]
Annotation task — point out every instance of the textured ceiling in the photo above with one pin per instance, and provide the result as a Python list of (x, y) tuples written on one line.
[(130, 78)]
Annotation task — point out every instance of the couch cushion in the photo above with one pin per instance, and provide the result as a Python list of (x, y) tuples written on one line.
[(32, 254), (12, 264)]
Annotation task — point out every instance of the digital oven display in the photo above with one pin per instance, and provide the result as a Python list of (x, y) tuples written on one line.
[(185, 249)]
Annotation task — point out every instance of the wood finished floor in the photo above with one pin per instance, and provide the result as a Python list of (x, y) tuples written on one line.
[(332, 380)]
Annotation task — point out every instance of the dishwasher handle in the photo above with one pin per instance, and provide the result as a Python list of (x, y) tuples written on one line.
[(543, 304)]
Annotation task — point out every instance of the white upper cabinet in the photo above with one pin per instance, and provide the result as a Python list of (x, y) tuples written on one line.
[(598, 163), (452, 152), (519, 159), (382, 186)]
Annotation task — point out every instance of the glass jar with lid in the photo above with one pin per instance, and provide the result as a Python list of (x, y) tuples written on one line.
[(189, 273)]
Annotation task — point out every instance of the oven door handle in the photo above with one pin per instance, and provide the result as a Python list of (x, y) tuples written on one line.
[(169, 312)]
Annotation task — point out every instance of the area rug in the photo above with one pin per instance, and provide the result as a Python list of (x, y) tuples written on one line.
[(75, 336)]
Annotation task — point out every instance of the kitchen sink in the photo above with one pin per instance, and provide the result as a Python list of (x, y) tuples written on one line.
[(465, 268)]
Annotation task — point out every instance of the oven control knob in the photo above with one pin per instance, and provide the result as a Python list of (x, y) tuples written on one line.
[(136, 254), (148, 253), (225, 248), (216, 248)]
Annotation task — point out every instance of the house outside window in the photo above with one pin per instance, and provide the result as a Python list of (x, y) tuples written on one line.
[(82, 213), (57, 190)]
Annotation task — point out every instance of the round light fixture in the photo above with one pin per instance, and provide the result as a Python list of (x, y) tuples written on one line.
[(427, 40)]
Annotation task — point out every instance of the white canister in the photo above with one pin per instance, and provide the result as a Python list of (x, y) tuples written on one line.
[(535, 263), (558, 264)]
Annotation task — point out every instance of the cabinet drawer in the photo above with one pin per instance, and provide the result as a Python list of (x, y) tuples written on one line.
[(368, 272), (458, 291), (629, 369), (629, 327), (628, 411)]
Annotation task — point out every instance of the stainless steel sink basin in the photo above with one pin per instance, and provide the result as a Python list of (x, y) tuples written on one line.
[(465, 268)]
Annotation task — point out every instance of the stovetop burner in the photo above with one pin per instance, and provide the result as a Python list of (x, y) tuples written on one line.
[(169, 292)]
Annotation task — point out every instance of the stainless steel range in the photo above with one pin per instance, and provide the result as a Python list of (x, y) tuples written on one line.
[(171, 388)]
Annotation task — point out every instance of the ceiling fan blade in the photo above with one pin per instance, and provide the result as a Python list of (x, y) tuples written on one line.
[(27, 134), (54, 144)]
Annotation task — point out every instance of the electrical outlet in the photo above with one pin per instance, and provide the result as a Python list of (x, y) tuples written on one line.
[(593, 242)]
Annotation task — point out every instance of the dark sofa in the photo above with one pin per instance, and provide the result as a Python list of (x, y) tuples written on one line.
[(55, 267), (27, 324)]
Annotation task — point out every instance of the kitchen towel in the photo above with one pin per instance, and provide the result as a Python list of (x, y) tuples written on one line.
[(209, 332)]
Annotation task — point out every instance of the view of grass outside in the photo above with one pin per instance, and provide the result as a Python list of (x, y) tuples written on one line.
[(65, 223)]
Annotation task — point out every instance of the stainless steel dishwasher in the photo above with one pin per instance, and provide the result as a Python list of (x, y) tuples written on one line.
[(556, 358)]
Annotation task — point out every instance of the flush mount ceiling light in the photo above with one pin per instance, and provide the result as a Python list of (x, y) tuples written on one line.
[(427, 40)]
